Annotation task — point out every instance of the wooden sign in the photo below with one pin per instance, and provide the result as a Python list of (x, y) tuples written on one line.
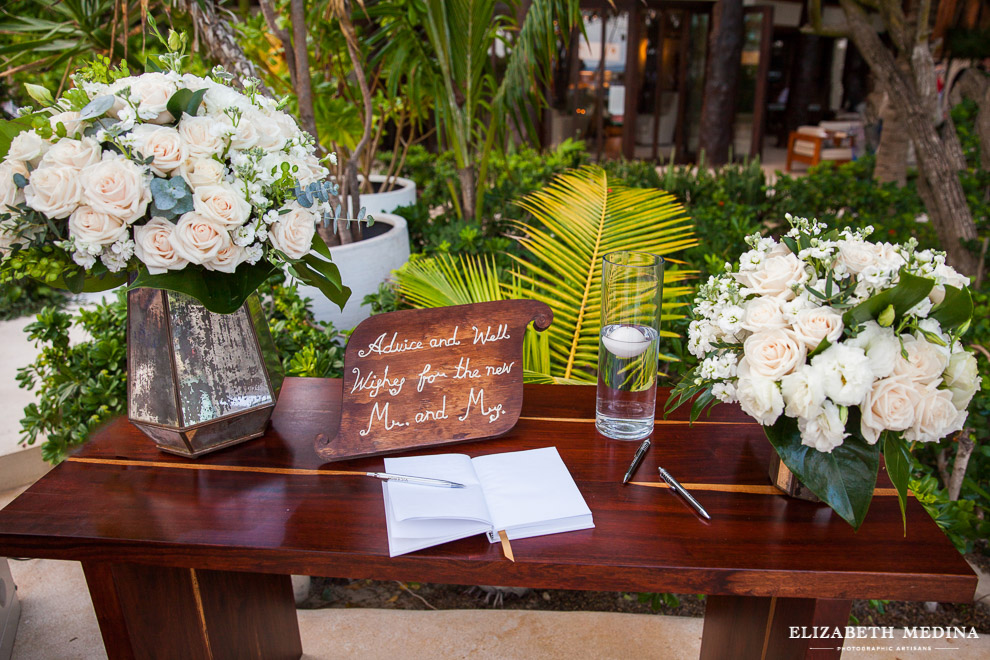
[(424, 377)]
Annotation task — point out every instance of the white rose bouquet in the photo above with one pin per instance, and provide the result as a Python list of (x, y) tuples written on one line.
[(841, 348), (180, 181)]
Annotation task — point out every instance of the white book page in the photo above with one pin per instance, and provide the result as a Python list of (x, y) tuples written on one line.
[(410, 502), (531, 491)]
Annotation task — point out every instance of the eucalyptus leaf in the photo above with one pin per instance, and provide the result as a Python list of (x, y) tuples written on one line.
[(221, 293), (177, 102), (97, 107), (843, 478), (19, 180)]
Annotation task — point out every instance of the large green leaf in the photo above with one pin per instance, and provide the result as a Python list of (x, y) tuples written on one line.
[(844, 479), (897, 458), (909, 291), (10, 128), (221, 293), (955, 309)]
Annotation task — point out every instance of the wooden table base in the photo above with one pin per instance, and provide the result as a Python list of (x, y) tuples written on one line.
[(759, 628), (157, 612)]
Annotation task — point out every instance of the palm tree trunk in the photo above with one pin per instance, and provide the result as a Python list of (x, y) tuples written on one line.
[(718, 108), (892, 153), (304, 92)]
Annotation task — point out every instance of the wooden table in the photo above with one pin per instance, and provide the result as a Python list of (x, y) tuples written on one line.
[(191, 559)]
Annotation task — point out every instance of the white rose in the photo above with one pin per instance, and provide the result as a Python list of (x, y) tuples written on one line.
[(773, 353), (202, 136), (199, 240), (925, 361), (935, 417), (845, 372), (95, 228), (76, 154), (857, 256), (54, 191), (227, 259), (880, 344), (824, 432), (201, 172), (10, 194), (154, 90), (759, 398), (803, 393), (69, 119), (118, 187), (162, 142), (219, 97), (307, 170), (962, 377), (154, 248), (763, 313), (775, 276), (244, 136), (269, 135), (293, 232), (287, 126), (222, 204), (813, 325), (889, 406), (27, 146)]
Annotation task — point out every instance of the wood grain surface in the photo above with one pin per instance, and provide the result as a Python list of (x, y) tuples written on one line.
[(428, 377), (271, 506)]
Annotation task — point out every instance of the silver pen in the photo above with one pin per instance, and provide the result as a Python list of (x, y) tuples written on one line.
[(421, 481), (679, 489), (636, 459)]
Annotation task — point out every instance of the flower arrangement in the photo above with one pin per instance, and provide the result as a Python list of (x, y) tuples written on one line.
[(840, 348), (181, 181)]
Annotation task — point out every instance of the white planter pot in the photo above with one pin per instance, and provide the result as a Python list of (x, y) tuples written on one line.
[(363, 266), (403, 194)]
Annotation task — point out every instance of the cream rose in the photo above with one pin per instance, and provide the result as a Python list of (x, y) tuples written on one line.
[(54, 191), (824, 432), (162, 142), (222, 204), (962, 378), (227, 259), (803, 393), (76, 154), (759, 398), (27, 146), (118, 187), (269, 135), (69, 119), (935, 417), (245, 135), (773, 353), (813, 325), (202, 136), (153, 91), (287, 126), (857, 256), (199, 240), (889, 406), (95, 228), (775, 276), (925, 361), (10, 194), (880, 344), (845, 373), (763, 313), (293, 232), (154, 248), (307, 170), (201, 172)]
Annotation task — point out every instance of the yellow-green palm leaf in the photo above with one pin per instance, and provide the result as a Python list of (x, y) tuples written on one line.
[(582, 217)]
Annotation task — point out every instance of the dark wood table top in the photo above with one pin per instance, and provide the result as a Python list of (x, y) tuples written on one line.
[(264, 507)]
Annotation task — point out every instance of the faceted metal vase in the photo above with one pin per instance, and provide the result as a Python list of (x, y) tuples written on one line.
[(198, 381), (787, 482)]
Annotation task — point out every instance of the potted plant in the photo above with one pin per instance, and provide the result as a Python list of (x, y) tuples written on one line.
[(193, 192)]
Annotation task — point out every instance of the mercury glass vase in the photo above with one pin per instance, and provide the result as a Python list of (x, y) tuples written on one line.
[(198, 381)]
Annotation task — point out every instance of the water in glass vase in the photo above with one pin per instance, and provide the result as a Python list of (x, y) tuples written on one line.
[(627, 378)]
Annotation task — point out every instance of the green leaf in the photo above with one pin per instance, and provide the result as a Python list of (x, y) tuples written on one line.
[(40, 94), (844, 479), (324, 276), (221, 293), (9, 129), (908, 292), (898, 460), (822, 346), (185, 100), (954, 310)]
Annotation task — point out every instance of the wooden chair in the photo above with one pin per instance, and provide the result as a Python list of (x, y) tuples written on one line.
[(813, 144)]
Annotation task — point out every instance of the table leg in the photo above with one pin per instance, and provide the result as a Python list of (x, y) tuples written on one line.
[(149, 611), (752, 627)]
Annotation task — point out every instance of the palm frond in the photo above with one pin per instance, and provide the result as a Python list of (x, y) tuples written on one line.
[(581, 218), (443, 280)]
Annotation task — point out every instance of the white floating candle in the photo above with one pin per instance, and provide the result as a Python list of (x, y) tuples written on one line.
[(625, 341)]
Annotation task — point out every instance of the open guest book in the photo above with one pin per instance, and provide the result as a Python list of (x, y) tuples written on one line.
[(524, 493)]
